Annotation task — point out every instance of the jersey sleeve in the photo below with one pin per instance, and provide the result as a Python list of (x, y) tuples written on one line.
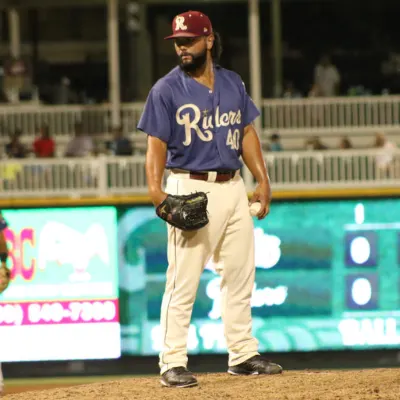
[(250, 111), (3, 223), (156, 119)]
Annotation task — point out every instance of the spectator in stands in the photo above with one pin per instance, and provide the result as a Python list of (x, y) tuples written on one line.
[(315, 143), (10, 172), (385, 156), (120, 145), (275, 144), (345, 143), (16, 76), (314, 91), (15, 149), (326, 78), (64, 93), (81, 145), (290, 91), (44, 146)]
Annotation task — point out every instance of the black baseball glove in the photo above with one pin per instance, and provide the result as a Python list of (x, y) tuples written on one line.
[(5, 277), (186, 212)]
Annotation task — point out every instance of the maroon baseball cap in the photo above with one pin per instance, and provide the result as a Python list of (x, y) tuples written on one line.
[(190, 24)]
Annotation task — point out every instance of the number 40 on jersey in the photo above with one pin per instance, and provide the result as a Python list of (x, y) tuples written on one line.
[(233, 139)]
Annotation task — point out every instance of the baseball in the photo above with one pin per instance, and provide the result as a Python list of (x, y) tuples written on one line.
[(255, 208)]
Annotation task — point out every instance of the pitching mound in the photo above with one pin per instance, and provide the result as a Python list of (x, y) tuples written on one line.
[(329, 385)]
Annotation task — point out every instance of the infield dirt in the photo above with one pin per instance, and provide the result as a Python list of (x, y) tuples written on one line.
[(382, 384)]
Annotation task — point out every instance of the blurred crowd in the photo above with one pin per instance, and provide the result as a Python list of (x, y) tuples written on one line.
[(17, 84), (384, 157), (44, 146), (380, 141), (90, 147), (326, 83), (79, 145)]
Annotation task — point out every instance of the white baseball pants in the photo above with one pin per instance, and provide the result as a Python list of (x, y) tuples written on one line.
[(229, 238)]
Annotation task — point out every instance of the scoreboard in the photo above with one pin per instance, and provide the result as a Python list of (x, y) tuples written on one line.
[(327, 278)]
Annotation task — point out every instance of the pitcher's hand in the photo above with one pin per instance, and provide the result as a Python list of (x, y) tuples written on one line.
[(263, 195)]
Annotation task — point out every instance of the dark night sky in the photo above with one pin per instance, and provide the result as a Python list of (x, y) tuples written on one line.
[(358, 34), (350, 24)]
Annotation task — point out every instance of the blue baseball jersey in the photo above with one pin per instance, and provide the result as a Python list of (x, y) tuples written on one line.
[(3, 223), (203, 129)]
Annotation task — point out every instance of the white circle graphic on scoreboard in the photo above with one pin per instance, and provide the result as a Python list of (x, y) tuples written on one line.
[(361, 291), (360, 250)]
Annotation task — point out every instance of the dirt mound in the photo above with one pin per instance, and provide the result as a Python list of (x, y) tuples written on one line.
[(383, 384)]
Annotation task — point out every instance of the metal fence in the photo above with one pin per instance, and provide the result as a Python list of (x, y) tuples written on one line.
[(295, 116), (106, 176), (67, 177), (325, 115), (334, 169), (61, 120)]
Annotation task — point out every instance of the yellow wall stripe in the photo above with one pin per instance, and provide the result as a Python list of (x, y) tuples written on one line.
[(145, 199)]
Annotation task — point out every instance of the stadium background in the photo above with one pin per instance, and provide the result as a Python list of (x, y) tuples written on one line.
[(68, 56)]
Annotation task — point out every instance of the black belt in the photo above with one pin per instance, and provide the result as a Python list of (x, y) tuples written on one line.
[(222, 176)]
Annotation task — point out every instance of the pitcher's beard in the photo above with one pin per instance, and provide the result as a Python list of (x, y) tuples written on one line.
[(197, 62)]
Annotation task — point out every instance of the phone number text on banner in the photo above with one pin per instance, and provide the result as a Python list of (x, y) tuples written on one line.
[(58, 312)]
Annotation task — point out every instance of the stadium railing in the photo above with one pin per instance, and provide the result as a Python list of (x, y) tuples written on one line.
[(109, 176), (336, 114), (304, 116)]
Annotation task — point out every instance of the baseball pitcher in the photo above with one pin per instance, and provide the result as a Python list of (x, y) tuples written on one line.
[(4, 273), (198, 119)]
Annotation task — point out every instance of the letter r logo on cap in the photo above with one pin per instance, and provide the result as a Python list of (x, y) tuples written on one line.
[(180, 24)]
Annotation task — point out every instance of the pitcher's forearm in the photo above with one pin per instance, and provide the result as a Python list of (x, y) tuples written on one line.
[(155, 163), (253, 157)]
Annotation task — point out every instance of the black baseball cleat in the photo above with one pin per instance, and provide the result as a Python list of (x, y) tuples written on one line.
[(256, 365), (178, 377)]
